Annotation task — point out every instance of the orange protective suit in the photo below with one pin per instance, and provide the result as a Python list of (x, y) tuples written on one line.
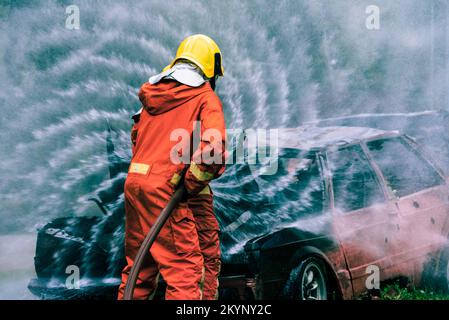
[(171, 110)]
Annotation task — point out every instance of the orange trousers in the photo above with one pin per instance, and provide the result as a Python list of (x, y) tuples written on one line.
[(208, 234), (176, 252)]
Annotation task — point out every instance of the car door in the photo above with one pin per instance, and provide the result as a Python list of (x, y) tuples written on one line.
[(422, 197), (365, 220)]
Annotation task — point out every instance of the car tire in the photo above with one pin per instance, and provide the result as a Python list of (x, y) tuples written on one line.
[(308, 281)]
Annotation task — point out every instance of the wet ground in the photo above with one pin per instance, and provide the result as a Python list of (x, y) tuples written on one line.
[(16, 265)]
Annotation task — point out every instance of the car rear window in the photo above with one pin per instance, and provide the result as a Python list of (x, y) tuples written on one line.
[(250, 202), (355, 184), (293, 190), (405, 170)]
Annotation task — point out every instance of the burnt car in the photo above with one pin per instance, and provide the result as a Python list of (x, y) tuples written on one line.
[(330, 208)]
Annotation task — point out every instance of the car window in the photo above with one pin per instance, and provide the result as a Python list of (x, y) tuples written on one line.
[(296, 186), (355, 184), (249, 202), (405, 170)]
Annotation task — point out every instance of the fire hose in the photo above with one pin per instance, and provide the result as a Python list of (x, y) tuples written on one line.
[(149, 240)]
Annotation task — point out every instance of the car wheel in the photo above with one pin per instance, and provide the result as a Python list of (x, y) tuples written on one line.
[(308, 281)]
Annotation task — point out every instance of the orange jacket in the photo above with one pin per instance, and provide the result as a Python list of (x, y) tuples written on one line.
[(168, 106)]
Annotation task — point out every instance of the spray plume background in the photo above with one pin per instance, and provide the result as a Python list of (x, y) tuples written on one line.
[(287, 62)]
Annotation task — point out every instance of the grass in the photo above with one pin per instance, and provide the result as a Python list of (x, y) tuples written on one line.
[(396, 291), (402, 289)]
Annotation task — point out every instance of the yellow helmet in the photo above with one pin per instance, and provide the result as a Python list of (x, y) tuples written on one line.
[(202, 51)]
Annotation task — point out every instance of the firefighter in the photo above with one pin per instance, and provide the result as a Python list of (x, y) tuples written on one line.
[(181, 99)]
